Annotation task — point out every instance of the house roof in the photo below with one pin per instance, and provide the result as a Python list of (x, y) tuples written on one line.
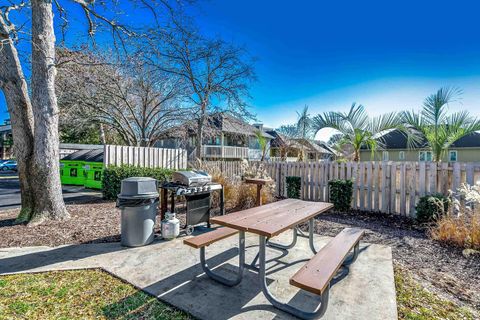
[(5, 127), (282, 141), (228, 123), (220, 121), (396, 139)]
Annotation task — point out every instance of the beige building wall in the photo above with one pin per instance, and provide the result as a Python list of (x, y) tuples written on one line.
[(463, 155)]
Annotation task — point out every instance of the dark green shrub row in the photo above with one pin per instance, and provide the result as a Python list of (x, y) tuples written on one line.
[(113, 176), (341, 194), (431, 207), (294, 185)]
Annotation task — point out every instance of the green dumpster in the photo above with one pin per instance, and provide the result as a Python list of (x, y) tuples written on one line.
[(94, 169), (71, 168)]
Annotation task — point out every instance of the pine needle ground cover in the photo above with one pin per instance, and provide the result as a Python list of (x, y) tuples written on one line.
[(78, 294)]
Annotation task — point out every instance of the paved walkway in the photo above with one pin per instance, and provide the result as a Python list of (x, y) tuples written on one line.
[(10, 192), (171, 271)]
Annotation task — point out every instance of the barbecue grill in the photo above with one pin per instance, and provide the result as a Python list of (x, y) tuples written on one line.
[(196, 188)]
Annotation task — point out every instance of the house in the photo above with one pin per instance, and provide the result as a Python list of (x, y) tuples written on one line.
[(285, 148), (6, 140), (466, 149), (225, 137)]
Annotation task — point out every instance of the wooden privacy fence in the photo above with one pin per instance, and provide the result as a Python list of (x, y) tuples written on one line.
[(228, 168), (145, 157), (388, 187)]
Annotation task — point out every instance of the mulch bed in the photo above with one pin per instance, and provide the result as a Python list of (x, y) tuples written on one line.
[(92, 222), (441, 268)]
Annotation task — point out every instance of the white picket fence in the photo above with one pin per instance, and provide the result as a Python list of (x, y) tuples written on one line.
[(388, 187), (145, 157)]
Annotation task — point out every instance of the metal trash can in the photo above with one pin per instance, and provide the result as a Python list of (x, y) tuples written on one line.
[(138, 201)]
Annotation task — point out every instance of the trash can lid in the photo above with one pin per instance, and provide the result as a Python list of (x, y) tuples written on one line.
[(138, 187)]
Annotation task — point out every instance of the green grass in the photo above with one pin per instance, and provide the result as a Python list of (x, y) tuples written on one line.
[(416, 303), (79, 294), (95, 294)]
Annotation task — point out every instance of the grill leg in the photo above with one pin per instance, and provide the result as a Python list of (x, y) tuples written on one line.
[(283, 246), (241, 264), (318, 312)]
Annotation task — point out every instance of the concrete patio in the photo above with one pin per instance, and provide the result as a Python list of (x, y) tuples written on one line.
[(171, 271)]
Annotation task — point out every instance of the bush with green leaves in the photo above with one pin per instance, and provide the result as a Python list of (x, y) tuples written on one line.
[(113, 176), (341, 194), (431, 207), (294, 185)]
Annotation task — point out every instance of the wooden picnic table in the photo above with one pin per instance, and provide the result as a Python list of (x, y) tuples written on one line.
[(270, 220), (274, 218)]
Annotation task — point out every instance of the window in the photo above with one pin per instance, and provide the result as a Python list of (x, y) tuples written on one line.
[(385, 156), (425, 156), (452, 155), (401, 155)]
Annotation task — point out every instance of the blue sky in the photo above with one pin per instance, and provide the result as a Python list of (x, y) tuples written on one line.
[(386, 55)]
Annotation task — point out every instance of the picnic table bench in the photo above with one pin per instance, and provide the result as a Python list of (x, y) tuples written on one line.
[(270, 220)]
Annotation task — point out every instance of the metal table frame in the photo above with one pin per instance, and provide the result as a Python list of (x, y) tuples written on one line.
[(261, 269)]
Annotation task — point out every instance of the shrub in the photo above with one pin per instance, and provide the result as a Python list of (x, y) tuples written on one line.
[(341, 194), (461, 225), (431, 207), (113, 176), (294, 185)]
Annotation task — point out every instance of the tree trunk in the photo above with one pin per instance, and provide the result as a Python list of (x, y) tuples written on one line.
[(356, 155), (199, 141), (102, 134), (14, 87), (48, 191)]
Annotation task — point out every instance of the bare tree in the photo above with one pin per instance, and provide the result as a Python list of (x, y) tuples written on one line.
[(35, 118), (126, 96), (217, 73)]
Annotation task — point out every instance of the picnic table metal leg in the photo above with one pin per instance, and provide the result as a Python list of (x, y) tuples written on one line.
[(318, 312), (311, 228), (283, 246), (241, 264)]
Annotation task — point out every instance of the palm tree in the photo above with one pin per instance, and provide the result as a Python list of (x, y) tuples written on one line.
[(357, 129), (262, 142), (437, 128), (301, 131)]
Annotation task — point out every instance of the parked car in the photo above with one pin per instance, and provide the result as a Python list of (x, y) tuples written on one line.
[(8, 165)]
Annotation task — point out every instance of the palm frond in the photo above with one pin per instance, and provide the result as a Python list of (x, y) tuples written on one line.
[(435, 105)]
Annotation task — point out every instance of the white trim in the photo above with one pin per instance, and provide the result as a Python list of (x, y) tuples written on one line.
[(385, 155)]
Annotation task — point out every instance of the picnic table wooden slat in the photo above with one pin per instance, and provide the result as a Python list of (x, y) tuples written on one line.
[(268, 216), (244, 214), (271, 220)]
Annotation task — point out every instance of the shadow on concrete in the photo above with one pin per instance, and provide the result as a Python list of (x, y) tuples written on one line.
[(192, 291), (56, 255)]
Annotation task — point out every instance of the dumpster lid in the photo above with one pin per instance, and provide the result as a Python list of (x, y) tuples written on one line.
[(138, 187), (95, 155), (77, 155)]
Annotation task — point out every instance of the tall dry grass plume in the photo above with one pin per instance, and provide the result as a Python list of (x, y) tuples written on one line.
[(237, 194), (461, 225)]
